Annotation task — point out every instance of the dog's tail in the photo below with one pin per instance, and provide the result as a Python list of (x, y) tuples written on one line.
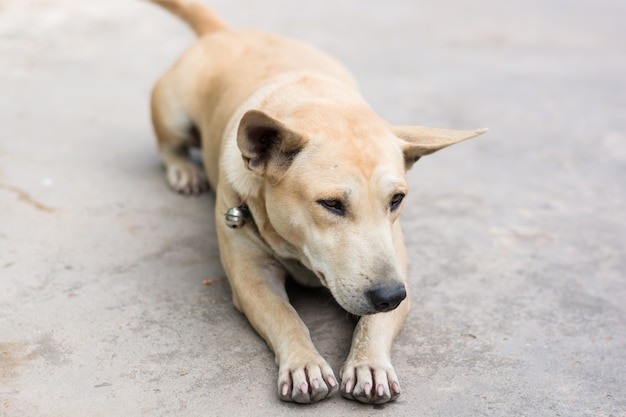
[(195, 14)]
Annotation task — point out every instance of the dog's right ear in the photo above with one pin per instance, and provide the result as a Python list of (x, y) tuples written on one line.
[(267, 146), (418, 141)]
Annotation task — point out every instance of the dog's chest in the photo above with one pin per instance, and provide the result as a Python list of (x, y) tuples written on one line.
[(300, 273)]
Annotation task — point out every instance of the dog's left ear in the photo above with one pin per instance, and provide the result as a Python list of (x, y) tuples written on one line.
[(418, 141), (268, 146)]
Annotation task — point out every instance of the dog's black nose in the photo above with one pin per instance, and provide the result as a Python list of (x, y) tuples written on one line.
[(387, 297)]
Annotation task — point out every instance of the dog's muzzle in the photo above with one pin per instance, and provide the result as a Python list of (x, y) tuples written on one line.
[(387, 297)]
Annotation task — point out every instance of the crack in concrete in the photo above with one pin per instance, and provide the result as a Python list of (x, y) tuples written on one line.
[(25, 197)]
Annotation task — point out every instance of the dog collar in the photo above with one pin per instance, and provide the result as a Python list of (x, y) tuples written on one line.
[(239, 216)]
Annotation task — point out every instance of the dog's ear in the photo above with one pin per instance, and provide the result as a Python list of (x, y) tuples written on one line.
[(267, 146), (418, 141)]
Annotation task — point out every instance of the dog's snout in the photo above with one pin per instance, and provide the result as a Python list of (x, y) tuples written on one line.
[(387, 297)]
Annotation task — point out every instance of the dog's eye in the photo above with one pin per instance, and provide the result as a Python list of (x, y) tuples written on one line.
[(396, 200), (333, 205)]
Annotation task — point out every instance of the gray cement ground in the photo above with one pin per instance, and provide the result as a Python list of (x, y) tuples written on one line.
[(516, 240)]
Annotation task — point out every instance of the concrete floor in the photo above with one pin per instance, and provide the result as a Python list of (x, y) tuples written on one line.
[(516, 240)]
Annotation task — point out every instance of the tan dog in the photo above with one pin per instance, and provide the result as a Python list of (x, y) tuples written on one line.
[(318, 179)]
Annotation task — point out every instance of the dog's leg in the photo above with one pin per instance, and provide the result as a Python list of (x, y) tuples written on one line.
[(303, 375), (175, 134), (258, 286), (368, 376)]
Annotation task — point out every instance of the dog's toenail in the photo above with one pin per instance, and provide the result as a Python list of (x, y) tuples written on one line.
[(381, 390), (349, 385)]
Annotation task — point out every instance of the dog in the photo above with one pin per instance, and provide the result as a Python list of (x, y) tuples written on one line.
[(309, 184)]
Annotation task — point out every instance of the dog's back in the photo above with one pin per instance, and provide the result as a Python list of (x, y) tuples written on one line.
[(225, 67)]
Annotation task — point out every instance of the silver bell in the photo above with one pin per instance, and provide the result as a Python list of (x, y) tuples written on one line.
[(235, 217)]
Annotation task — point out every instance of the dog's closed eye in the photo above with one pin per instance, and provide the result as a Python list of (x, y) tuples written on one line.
[(333, 205), (396, 200)]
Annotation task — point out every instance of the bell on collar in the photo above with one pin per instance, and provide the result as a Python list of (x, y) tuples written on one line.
[(235, 217)]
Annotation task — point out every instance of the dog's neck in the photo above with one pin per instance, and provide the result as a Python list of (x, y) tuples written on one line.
[(281, 250)]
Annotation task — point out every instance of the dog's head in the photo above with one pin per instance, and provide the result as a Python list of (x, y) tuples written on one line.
[(333, 184)]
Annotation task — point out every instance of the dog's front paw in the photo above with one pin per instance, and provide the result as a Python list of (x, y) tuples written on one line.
[(306, 382), (371, 383), (186, 178)]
